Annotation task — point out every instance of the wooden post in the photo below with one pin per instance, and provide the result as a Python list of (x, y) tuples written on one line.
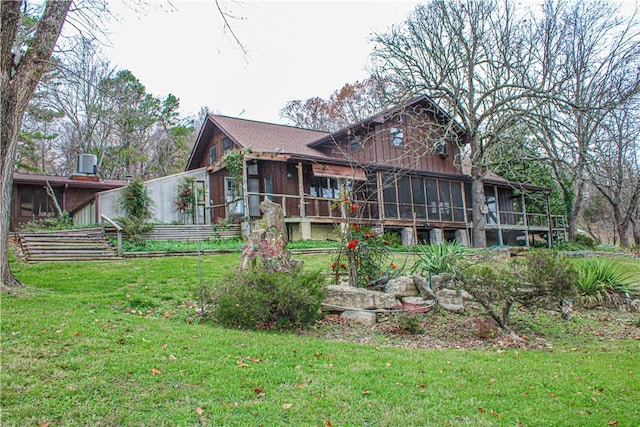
[(495, 194), (245, 189), (303, 210), (524, 220)]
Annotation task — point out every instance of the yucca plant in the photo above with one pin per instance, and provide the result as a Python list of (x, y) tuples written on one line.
[(441, 258), (598, 279)]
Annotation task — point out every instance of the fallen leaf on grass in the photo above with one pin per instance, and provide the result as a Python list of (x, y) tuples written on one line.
[(327, 423), (613, 423), (482, 410), (155, 371), (366, 392), (172, 357), (287, 405), (199, 410)]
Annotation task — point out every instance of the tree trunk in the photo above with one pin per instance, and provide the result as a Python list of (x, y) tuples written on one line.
[(478, 202), (576, 208), (18, 81)]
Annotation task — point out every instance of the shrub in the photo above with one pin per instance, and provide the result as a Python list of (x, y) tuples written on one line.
[(136, 203), (252, 299), (409, 322), (599, 279), (539, 280), (442, 258), (63, 222), (585, 240)]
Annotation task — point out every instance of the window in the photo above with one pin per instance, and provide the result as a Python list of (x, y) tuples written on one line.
[(327, 188), (397, 137), (234, 196), (226, 145), (213, 155), (441, 148), (355, 143)]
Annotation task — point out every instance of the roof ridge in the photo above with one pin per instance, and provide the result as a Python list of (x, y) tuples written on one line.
[(267, 123)]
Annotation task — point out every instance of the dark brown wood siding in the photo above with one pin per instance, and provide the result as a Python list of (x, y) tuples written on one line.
[(216, 140), (416, 153)]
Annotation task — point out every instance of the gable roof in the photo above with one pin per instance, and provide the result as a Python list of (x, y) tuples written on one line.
[(431, 105), (261, 137)]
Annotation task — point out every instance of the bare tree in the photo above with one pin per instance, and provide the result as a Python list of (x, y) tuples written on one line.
[(347, 105), (465, 56), (586, 59), (75, 91), (21, 66), (615, 169)]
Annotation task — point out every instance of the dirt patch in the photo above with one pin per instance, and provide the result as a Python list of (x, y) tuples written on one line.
[(439, 329)]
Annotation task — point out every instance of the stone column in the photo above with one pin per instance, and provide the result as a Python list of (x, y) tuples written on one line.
[(407, 236), (435, 236), (462, 237)]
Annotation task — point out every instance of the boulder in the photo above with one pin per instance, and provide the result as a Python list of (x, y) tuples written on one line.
[(368, 318), (423, 287), (450, 300), (403, 286), (349, 297)]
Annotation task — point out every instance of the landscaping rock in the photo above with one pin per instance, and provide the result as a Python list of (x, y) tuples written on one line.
[(450, 300), (423, 287), (350, 297), (402, 287), (368, 318), (439, 281), (417, 303)]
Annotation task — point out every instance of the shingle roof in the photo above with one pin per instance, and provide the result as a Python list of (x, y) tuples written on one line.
[(268, 137)]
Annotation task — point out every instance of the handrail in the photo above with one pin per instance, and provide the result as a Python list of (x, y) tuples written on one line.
[(104, 218)]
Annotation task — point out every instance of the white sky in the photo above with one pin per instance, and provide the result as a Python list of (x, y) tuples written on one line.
[(298, 49)]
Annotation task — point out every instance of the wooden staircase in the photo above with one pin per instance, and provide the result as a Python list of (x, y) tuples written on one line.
[(87, 244)]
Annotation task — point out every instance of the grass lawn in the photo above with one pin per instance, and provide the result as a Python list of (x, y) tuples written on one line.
[(119, 343)]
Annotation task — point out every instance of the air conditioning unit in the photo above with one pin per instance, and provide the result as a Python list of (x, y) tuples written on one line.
[(87, 164)]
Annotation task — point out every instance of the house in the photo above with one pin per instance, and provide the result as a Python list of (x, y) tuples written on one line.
[(73, 194), (402, 167)]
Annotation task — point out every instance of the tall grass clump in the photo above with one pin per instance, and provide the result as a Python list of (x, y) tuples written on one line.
[(259, 299), (440, 258), (600, 280)]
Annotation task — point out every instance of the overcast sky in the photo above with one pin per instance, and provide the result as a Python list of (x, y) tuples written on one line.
[(297, 50)]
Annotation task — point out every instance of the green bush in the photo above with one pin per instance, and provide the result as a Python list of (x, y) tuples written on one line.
[(542, 279), (252, 299), (583, 239), (599, 279), (136, 202)]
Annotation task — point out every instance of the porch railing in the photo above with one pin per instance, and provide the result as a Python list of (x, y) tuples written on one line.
[(322, 207)]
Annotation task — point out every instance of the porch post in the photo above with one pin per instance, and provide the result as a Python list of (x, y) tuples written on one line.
[(524, 220), (495, 194), (303, 211), (245, 190), (380, 197)]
